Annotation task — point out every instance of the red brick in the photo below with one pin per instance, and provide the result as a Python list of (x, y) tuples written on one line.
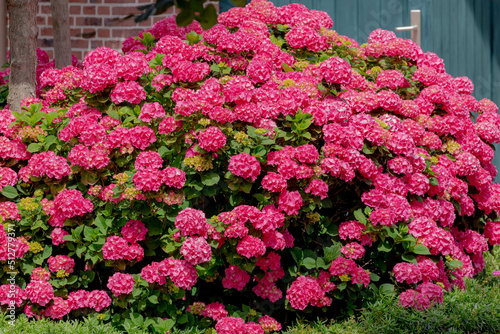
[(50, 52), (103, 10), (75, 10), (125, 32), (113, 44), (79, 43), (75, 32), (46, 32), (45, 42), (78, 1), (89, 10), (88, 21), (96, 43), (124, 11), (89, 33), (41, 20), (95, 1), (118, 22), (45, 9), (77, 54), (103, 33)]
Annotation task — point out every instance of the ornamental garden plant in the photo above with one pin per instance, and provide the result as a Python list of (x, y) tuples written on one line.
[(238, 177)]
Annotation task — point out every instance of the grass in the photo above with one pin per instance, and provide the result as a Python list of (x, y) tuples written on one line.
[(473, 311)]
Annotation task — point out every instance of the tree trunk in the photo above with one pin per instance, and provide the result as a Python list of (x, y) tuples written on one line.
[(62, 39), (23, 35)]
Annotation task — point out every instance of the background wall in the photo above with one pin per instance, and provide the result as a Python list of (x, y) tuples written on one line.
[(96, 23)]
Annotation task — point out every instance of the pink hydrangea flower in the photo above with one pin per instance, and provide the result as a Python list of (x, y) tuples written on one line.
[(150, 111), (212, 139), (134, 230), (235, 278), (191, 222), (244, 165), (121, 284), (129, 91), (61, 262), (196, 250), (290, 202), (251, 246), (57, 236), (98, 300), (39, 292)]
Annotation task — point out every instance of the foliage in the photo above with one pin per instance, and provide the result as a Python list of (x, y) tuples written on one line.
[(265, 167)]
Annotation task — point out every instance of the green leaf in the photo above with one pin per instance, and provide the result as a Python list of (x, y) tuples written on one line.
[(297, 254), (309, 263), (10, 192), (49, 140), (384, 246), (208, 18), (332, 252), (185, 17), (239, 3), (454, 264), (162, 151), (246, 187), (433, 181), (215, 68), (34, 147), (113, 113), (421, 250), (153, 299), (210, 179), (408, 257), (360, 216), (386, 289)]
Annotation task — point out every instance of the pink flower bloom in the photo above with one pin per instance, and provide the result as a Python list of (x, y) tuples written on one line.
[(114, 248), (150, 111), (58, 309), (230, 325), (290, 202), (408, 272), (235, 278), (98, 300), (61, 262), (182, 273), (244, 165), (57, 236), (121, 284), (40, 274), (129, 91), (215, 310), (196, 250), (12, 294), (306, 290), (251, 246), (134, 230), (353, 250), (39, 292), (212, 139), (191, 222)]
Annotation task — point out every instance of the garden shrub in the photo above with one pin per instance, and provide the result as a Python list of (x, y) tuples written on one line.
[(264, 168)]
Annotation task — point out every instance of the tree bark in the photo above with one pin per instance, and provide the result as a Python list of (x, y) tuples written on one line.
[(62, 39), (23, 35)]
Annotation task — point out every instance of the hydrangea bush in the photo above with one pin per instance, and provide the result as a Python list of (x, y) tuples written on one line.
[(236, 177)]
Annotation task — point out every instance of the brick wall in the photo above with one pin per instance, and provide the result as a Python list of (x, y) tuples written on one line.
[(96, 23)]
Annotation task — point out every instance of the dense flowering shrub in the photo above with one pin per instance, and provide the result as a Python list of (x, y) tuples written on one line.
[(268, 160)]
